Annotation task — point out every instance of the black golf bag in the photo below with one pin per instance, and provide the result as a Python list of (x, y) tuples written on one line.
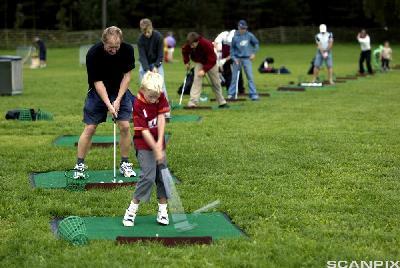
[(311, 70), (227, 75), (267, 66), (189, 82)]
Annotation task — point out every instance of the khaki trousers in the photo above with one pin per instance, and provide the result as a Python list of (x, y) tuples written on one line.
[(195, 91)]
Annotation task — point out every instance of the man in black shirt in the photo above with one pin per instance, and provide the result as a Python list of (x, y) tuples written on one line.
[(109, 64), (151, 47)]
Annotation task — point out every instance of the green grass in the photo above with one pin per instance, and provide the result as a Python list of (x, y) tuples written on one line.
[(310, 177)]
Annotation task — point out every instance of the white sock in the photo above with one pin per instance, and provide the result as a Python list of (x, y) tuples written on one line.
[(162, 207), (133, 207)]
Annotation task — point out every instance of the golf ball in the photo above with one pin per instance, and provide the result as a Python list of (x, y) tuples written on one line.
[(102, 182), (156, 235), (120, 181)]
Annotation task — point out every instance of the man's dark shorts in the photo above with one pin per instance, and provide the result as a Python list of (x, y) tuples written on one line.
[(95, 111)]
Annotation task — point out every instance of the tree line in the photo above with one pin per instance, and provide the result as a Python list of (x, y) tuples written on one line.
[(73, 15)]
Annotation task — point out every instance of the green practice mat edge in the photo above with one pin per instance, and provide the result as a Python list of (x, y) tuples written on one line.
[(185, 118), (218, 225), (41, 180), (71, 140), (210, 107)]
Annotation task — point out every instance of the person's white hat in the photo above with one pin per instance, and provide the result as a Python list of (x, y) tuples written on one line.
[(322, 28)]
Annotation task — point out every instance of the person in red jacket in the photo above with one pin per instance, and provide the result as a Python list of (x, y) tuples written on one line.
[(201, 52)]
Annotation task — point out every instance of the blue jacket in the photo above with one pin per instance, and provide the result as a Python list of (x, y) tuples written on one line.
[(243, 45)]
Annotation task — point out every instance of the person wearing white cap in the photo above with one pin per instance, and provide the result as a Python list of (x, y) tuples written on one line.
[(324, 40)]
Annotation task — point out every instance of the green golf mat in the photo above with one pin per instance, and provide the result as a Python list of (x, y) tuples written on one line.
[(231, 100), (291, 88), (200, 107), (184, 118), (96, 179), (215, 225), (176, 118), (99, 141)]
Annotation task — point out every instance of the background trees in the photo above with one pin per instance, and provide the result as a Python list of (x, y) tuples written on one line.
[(86, 14)]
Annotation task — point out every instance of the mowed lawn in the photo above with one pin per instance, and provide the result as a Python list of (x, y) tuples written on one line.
[(309, 176)]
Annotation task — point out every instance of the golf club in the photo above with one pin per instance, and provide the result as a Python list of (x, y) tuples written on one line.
[(207, 207), (183, 88), (237, 81), (179, 218), (115, 151)]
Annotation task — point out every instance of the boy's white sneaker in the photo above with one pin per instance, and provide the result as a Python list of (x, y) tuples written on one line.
[(126, 170), (79, 171), (129, 218), (162, 217)]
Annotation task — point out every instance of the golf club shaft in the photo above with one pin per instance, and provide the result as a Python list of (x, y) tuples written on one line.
[(115, 148), (237, 82), (183, 89), (207, 207), (175, 204)]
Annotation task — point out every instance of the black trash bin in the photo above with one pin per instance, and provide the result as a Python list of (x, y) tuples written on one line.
[(10, 75)]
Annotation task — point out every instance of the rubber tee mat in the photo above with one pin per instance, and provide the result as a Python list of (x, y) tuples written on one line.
[(99, 141), (208, 227), (96, 179)]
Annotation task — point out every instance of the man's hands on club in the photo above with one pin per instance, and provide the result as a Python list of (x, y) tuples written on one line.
[(252, 56), (114, 108), (158, 151)]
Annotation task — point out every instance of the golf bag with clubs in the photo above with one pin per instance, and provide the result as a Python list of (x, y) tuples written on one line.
[(311, 69), (189, 81), (267, 66)]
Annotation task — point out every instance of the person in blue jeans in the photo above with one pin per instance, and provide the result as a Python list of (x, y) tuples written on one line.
[(151, 48), (243, 48)]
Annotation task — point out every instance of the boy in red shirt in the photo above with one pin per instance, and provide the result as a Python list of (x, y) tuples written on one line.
[(149, 124)]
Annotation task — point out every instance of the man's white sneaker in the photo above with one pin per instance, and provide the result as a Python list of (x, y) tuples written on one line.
[(162, 217), (126, 170), (129, 218), (79, 171)]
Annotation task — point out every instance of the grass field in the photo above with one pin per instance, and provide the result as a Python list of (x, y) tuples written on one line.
[(310, 177)]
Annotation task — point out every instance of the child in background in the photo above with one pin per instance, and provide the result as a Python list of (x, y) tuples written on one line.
[(149, 124), (169, 47), (386, 56)]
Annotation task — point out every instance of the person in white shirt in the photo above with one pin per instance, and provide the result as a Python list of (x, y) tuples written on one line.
[(365, 43), (222, 45), (324, 42)]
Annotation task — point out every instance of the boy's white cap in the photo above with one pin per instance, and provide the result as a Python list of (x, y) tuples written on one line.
[(322, 28)]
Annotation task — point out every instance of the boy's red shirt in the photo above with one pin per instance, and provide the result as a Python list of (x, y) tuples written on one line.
[(145, 117)]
